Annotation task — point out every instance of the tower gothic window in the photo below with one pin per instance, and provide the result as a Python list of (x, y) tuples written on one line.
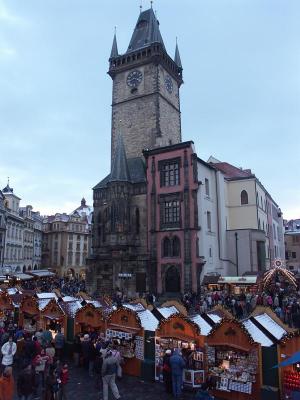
[(171, 212), (169, 173), (137, 221)]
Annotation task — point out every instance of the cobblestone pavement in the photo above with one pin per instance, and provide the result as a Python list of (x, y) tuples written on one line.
[(82, 387)]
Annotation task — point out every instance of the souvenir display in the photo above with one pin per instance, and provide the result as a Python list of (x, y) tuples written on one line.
[(234, 370)]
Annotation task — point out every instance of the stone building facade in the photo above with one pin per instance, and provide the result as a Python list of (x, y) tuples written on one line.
[(145, 114), (66, 241), (292, 244), (2, 228)]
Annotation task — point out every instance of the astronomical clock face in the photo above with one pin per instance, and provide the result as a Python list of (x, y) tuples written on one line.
[(169, 84), (134, 78)]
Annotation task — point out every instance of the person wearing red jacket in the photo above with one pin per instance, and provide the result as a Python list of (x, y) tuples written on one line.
[(64, 378)]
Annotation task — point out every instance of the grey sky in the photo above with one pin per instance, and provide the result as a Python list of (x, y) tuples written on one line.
[(240, 101)]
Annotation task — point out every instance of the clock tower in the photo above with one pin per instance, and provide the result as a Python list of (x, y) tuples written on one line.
[(145, 115), (145, 96)]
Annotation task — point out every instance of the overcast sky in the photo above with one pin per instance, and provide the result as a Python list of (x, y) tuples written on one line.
[(240, 101)]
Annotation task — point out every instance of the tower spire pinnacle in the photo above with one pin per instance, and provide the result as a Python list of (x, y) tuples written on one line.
[(114, 49), (177, 58)]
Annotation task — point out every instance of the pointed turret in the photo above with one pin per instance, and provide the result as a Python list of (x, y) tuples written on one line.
[(119, 168), (146, 31), (114, 49), (177, 58)]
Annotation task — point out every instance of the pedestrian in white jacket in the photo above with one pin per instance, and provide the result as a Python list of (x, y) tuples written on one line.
[(8, 351)]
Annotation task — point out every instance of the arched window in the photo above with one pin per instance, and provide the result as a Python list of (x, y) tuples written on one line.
[(259, 225), (244, 197), (166, 247), (137, 221), (176, 247)]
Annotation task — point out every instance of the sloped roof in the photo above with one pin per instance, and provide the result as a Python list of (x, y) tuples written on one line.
[(230, 171), (204, 326), (145, 32), (257, 335), (148, 320)]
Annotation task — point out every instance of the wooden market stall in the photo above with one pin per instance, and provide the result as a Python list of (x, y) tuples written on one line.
[(179, 332), (88, 319), (289, 375), (29, 314), (52, 317), (125, 329), (6, 304), (234, 361)]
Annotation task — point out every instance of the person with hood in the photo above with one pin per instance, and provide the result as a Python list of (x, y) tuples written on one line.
[(167, 374), (109, 368), (7, 385), (177, 364)]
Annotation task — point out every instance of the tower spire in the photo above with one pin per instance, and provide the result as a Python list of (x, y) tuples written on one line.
[(177, 58), (119, 169), (114, 49)]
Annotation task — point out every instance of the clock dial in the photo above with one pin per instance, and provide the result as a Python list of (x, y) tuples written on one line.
[(134, 78), (169, 84)]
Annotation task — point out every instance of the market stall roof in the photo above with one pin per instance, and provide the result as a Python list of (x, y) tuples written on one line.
[(257, 335), (43, 303), (95, 303), (135, 307), (242, 280), (42, 273), (204, 326), (13, 290), (215, 317), (166, 312), (46, 296), (22, 277), (66, 299), (148, 321), (270, 325), (71, 307)]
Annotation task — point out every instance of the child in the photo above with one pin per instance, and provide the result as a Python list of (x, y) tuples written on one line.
[(64, 378)]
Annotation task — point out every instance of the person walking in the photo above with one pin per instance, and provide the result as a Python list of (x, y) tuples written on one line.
[(167, 374), (177, 364), (8, 351), (26, 383), (7, 384), (59, 344), (109, 369), (64, 378)]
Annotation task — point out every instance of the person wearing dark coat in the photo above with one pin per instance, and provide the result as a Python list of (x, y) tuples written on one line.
[(177, 365), (25, 383), (167, 374), (89, 354)]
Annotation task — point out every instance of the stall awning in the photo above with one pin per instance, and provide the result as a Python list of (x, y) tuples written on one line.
[(238, 280), (295, 358)]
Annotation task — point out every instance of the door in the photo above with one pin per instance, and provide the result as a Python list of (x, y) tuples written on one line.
[(172, 280)]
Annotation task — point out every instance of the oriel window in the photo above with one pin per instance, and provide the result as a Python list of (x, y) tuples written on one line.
[(171, 211), (170, 174)]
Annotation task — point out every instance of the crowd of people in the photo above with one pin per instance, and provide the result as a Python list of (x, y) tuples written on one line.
[(285, 303), (32, 365), (68, 286)]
